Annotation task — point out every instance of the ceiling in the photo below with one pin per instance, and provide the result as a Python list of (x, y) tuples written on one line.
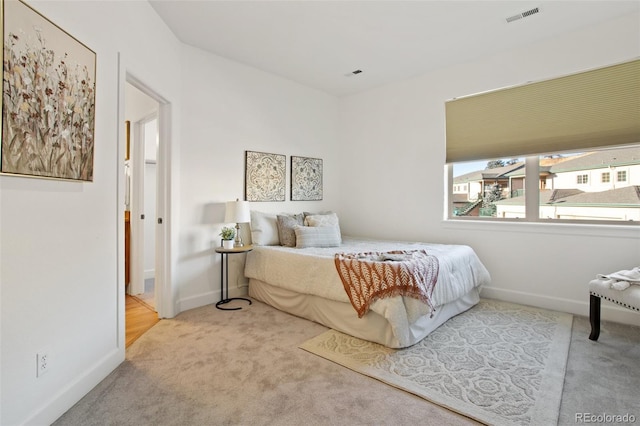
[(320, 43)]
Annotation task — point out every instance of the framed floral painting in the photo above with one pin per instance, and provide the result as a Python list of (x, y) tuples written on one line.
[(265, 176), (306, 179), (48, 96)]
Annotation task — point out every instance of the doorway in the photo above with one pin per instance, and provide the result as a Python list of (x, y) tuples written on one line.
[(142, 166), (142, 195)]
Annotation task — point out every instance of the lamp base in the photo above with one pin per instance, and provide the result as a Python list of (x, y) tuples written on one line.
[(238, 240)]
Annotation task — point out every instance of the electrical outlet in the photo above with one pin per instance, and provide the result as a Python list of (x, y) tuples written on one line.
[(42, 360)]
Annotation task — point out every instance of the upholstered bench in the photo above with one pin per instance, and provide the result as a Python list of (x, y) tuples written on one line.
[(600, 289)]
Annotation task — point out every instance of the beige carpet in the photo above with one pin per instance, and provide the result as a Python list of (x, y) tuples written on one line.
[(213, 367), (498, 363), (210, 367)]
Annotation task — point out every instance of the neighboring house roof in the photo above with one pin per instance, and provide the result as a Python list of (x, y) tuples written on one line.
[(516, 173), (627, 196), (559, 194), (495, 173), (519, 200), (583, 161), (550, 161), (544, 166), (599, 159)]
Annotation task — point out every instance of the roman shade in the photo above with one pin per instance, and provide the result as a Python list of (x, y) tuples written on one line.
[(596, 108)]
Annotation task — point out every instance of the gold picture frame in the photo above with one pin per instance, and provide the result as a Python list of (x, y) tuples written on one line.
[(48, 99)]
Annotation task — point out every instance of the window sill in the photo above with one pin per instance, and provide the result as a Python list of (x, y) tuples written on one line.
[(589, 229)]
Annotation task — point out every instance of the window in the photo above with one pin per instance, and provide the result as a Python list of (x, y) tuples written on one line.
[(488, 181), (590, 129), (564, 191), (459, 189)]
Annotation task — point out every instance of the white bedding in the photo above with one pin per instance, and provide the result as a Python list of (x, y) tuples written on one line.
[(312, 271)]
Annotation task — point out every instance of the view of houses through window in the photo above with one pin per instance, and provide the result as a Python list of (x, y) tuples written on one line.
[(590, 186)]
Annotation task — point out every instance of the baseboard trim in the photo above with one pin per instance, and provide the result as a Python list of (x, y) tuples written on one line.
[(193, 302), (208, 298), (68, 396), (610, 311)]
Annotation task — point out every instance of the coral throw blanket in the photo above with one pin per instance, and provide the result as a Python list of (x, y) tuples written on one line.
[(373, 275)]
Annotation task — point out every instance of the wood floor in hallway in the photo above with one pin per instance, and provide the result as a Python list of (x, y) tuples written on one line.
[(139, 318)]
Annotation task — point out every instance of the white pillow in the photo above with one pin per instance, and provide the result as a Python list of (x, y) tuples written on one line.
[(307, 214), (317, 236), (330, 219), (264, 229)]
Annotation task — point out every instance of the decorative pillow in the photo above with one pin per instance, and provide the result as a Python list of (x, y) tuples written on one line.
[(330, 219), (317, 236), (307, 214), (264, 229), (286, 224)]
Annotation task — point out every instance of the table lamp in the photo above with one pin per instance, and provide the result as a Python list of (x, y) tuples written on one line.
[(237, 212)]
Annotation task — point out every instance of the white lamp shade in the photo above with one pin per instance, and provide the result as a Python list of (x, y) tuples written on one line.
[(237, 212)]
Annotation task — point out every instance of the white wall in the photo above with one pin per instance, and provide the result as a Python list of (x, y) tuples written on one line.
[(71, 303), (61, 276), (61, 271), (228, 109), (404, 122)]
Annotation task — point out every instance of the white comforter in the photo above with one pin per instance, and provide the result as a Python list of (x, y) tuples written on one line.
[(313, 271)]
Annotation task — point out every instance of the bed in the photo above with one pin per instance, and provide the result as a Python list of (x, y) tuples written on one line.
[(305, 282)]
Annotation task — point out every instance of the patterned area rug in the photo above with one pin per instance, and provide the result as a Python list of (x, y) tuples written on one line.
[(498, 363)]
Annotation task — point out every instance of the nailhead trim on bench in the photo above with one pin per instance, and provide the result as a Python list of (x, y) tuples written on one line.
[(633, 308)]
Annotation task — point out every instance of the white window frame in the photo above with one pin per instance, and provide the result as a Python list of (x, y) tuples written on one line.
[(532, 207)]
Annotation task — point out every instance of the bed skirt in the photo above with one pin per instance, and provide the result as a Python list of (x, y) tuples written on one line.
[(343, 317)]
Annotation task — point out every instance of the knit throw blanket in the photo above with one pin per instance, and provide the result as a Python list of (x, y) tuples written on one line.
[(374, 275)]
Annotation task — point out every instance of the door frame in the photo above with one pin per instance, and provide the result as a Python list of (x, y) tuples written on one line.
[(162, 292), (165, 305)]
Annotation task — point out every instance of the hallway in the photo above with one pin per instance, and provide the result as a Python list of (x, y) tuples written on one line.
[(139, 318)]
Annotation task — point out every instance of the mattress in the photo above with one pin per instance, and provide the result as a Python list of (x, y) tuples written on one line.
[(312, 272)]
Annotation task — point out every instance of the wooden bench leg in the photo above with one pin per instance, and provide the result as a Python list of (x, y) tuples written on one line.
[(594, 316)]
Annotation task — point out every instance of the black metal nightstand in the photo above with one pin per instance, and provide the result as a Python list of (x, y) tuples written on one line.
[(224, 280)]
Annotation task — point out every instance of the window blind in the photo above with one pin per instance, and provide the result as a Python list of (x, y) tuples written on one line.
[(595, 108)]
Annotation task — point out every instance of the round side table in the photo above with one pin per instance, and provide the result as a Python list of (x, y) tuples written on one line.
[(224, 276)]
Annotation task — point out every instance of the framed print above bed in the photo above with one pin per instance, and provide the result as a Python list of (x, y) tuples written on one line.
[(306, 179), (265, 176), (48, 98)]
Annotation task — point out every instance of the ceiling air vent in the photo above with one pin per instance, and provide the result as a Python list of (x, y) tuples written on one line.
[(523, 14), (354, 72)]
